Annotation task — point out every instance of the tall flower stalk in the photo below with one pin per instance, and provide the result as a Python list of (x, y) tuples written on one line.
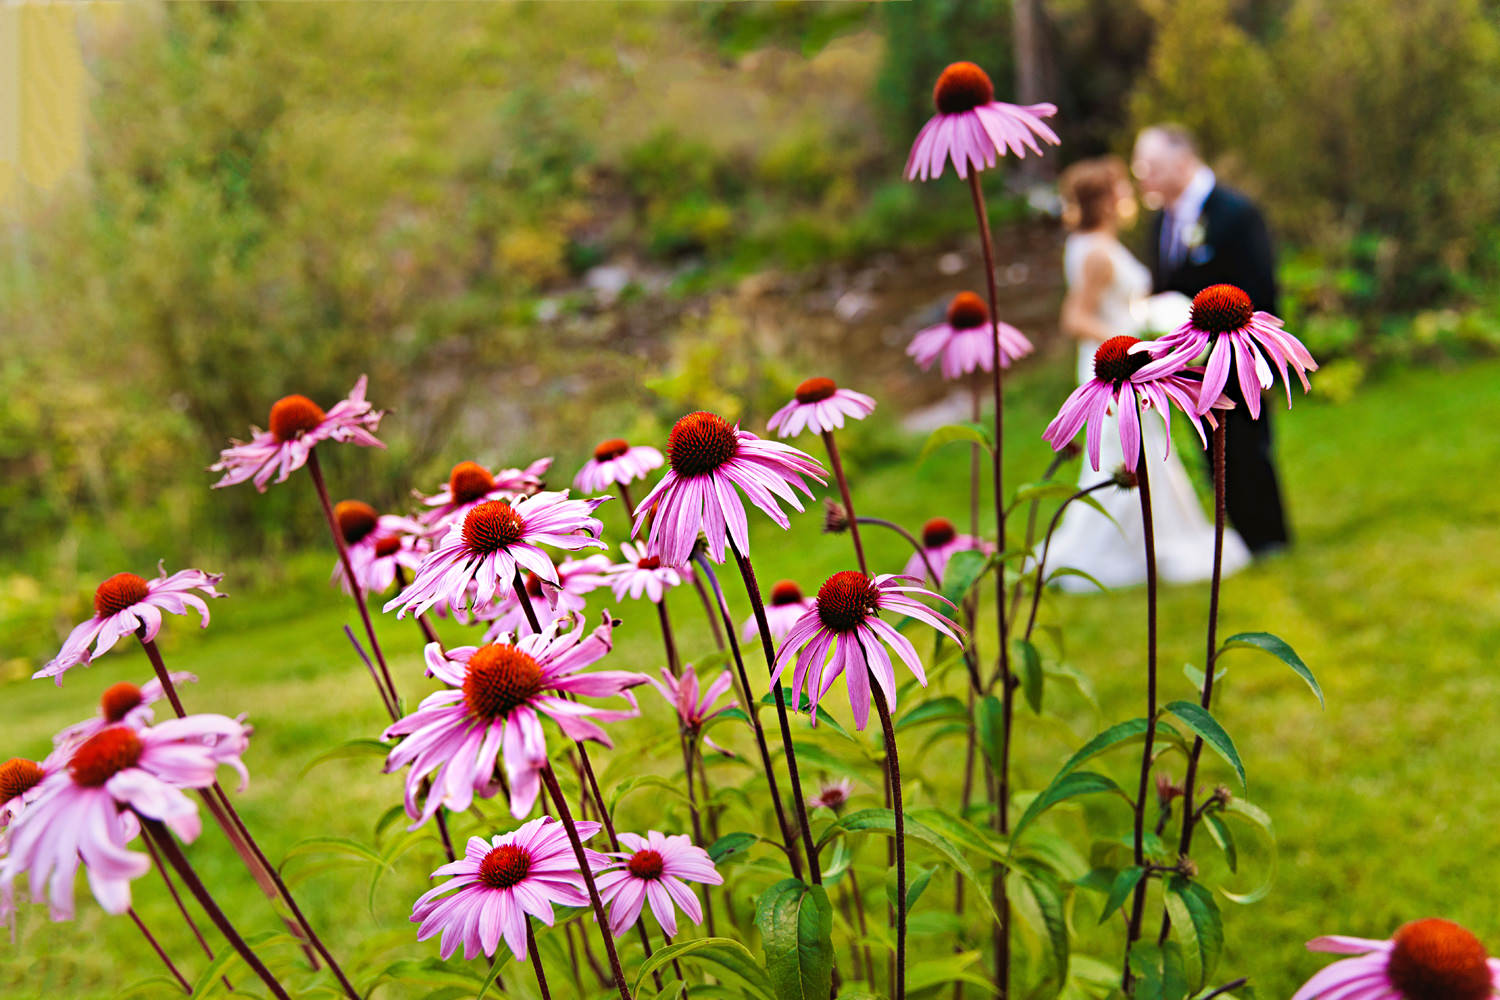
[(1138, 903)]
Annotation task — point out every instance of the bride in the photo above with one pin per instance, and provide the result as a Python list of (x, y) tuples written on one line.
[(1108, 294)]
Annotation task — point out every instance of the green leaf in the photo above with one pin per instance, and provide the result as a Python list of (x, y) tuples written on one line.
[(348, 749), (1075, 571), (1257, 817), (964, 569), (884, 821), (936, 710), (1219, 831), (1047, 489), (1277, 647), (1199, 678), (915, 885), (796, 932), (731, 844), (976, 433), (630, 784), (1120, 889), (1068, 787), (726, 956), (960, 967), (332, 845), (1031, 672), (1196, 922), (1038, 898), (155, 986), (1205, 725), (960, 831), (990, 720), (496, 964)]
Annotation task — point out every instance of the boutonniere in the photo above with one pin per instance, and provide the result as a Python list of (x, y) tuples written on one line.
[(1195, 235)]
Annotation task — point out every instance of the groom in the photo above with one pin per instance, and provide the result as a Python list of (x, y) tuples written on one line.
[(1207, 234)]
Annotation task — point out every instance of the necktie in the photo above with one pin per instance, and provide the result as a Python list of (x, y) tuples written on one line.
[(1171, 243)]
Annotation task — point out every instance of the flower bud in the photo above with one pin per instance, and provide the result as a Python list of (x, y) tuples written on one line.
[(835, 518)]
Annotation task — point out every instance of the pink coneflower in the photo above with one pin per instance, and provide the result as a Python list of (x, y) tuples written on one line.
[(708, 457), (126, 603), (940, 540), (81, 812), (575, 579), (470, 484), (1126, 378), (498, 883), (1223, 316), (616, 462), (971, 128), (491, 541), (965, 342), (694, 711), (819, 405), (787, 605), (1425, 960), (376, 545), (493, 705), (297, 424), (845, 619), (833, 795), (642, 574), (121, 703), (657, 868), (20, 785)]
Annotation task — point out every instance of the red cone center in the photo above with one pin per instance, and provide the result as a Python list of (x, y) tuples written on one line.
[(1113, 361), (104, 755), (119, 699), (118, 593), (492, 526), (500, 678), (700, 443), (650, 562), (785, 592), (387, 545), (962, 87), (469, 481), (1439, 960), (967, 311), (1221, 308), (646, 864), (613, 448), (815, 390), (938, 532), (846, 599), (504, 867), (292, 416), (356, 519), (17, 777)]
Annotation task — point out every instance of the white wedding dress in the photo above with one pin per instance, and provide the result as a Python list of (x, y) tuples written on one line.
[(1114, 553)]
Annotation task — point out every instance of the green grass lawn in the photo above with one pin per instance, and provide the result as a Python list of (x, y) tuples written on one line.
[(1382, 803)]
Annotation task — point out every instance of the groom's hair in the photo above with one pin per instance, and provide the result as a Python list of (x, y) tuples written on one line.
[(1177, 136)]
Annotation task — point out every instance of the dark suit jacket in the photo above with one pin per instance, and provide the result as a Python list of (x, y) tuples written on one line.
[(1236, 249)]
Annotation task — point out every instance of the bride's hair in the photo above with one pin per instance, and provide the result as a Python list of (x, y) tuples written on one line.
[(1089, 190)]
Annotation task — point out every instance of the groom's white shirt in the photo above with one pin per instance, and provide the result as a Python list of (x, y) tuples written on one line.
[(1183, 215)]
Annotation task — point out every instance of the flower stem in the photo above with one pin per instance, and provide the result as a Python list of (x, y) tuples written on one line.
[(169, 849), (752, 710), (752, 588), (536, 960), (160, 952), (697, 820), (838, 474), (182, 907), (388, 693), (1138, 906), (893, 765), (708, 611), (566, 817), (1189, 818), (1052, 467), (154, 655), (1008, 689), (1041, 564), (627, 501), (674, 662)]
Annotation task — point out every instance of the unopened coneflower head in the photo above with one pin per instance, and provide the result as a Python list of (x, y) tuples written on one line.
[(376, 544), (786, 605), (121, 703), (125, 604), (85, 810), (940, 541), (843, 633), (576, 578), (964, 342), (835, 517), (694, 710), (833, 795), (470, 484), (709, 459), (972, 129), (1125, 478), (644, 574), (655, 868), (616, 462), (1430, 959), (819, 405), (491, 713), (1125, 380), (297, 424), (1224, 318), (487, 545), (498, 883)]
